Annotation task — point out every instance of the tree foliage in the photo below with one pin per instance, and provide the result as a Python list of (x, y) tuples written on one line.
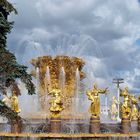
[(10, 70), (8, 7), (5, 111)]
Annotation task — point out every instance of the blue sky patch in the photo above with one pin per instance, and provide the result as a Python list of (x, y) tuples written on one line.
[(137, 42)]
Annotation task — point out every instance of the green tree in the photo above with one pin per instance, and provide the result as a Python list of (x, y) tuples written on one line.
[(10, 70)]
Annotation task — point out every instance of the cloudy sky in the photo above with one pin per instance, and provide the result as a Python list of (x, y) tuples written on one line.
[(105, 33)]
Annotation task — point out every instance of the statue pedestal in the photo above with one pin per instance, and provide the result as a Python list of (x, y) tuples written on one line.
[(55, 125), (134, 126), (139, 124), (16, 126), (94, 125), (125, 125)]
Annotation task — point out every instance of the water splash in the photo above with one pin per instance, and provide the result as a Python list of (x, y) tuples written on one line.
[(77, 83), (48, 78), (36, 97), (83, 46), (48, 85), (37, 80), (77, 90), (62, 79)]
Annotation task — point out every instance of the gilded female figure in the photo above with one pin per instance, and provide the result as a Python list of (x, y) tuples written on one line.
[(114, 108), (15, 103), (93, 95), (125, 107), (56, 105)]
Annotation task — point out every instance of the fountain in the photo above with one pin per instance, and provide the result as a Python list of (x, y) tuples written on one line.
[(56, 111), (60, 71), (48, 78), (62, 80), (59, 87)]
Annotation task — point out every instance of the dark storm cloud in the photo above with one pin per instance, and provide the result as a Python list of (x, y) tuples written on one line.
[(103, 32)]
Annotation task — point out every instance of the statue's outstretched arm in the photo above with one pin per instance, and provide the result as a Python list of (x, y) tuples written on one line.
[(89, 94), (103, 91)]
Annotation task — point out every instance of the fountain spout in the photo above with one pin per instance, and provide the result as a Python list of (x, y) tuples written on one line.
[(77, 88), (62, 79), (37, 79), (77, 82), (48, 79)]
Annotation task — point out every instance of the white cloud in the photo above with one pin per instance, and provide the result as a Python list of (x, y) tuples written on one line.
[(93, 29)]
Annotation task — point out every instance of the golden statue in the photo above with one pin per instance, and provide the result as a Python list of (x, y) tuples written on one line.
[(56, 105), (125, 107), (139, 110), (134, 111), (93, 95), (114, 109), (15, 103), (55, 64)]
